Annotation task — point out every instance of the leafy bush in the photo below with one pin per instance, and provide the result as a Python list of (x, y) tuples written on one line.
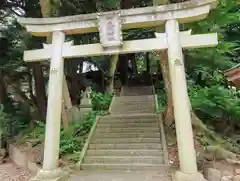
[(162, 99), (100, 101), (73, 138), (216, 102), (4, 122)]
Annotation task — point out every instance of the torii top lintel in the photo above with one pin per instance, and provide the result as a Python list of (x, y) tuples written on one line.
[(190, 11)]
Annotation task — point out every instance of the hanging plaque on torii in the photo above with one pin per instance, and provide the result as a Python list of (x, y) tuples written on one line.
[(110, 31)]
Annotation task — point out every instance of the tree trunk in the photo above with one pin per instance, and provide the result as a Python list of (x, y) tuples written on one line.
[(50, 8), (168, 114), (134, 63), (148, 65), (112, 69), (40, 90), (30, 82), (3, 91), (19, 95), (126, 4), (123, 68)]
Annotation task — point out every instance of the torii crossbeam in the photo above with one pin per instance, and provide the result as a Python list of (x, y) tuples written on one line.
[(110, 25)]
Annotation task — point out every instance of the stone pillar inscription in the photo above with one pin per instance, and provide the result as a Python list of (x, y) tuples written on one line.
[(187, 153)]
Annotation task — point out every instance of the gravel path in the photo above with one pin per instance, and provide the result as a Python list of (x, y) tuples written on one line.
[(11, 172)]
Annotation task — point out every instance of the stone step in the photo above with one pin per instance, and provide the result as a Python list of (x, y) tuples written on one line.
[(115, 121), (127, 135), (123, 160), (129, 99), (127, 129), (127, 125), (125, 140), (132, 90), (130, 121), (143, 93), (136, 92), (130, 103), (120, 175), (131, 110), (126, 146), (119, 111), (133, 107), (129, 167), (127, 152), (126, 118)]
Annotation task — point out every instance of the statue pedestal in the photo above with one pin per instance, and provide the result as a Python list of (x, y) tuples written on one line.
[(85, 107)]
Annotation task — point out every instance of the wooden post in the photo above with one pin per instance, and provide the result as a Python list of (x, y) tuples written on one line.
[(54, 107), (187, 153)]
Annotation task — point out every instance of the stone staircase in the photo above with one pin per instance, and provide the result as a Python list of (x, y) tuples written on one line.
[(133, 105), (129, 139), (137, 91)]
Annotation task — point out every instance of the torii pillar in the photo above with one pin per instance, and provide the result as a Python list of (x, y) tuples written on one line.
[(182, 113), (50, 169)]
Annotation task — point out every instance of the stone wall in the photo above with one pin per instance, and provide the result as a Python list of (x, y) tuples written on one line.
[(21, 158)]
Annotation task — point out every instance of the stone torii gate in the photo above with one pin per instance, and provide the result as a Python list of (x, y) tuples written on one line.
[(110, 25)]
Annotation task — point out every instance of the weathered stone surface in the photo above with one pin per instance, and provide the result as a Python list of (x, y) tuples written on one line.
[(227, 172), (133, 91), (51, 175), (126, 125), (126, 141), (179, 176), (122, 176), (124, 167), (212, 174), (127, 130), (24, 159), (236, 178), (133, 18), (227, 178), (124, 159), (133, 104), (125, 152), (130, 146), (237, 171), (146, 134)]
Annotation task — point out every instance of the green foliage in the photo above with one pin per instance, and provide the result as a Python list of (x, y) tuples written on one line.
[(161, 98), (4, 122), (100, 101), (216, 102), (73, 138)]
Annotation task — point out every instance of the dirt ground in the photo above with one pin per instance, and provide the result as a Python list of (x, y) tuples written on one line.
[(11, 172)]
